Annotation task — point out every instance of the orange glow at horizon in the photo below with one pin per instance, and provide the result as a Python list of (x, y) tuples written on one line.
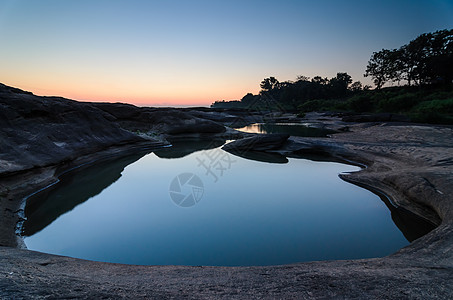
[(178, 96)]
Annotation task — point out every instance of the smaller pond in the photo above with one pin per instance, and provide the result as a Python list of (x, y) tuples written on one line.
[(294, 129)]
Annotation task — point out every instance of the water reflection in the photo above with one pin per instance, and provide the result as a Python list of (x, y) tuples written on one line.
[(258, 213), (73, 189), (183, 147), (410, 225), (78, 186), (274, 158), (294, 129)]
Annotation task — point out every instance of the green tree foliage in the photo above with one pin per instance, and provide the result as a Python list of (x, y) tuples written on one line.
[(428, 59)]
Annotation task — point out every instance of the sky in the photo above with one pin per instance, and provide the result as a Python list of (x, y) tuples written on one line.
[(187, 53)]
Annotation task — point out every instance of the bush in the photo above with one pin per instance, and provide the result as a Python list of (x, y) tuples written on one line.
[(399, 103), (440, 95), (321, 105), (438, 111), (444, 106), (361, 103)]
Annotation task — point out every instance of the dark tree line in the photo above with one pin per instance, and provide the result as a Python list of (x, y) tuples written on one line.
[(291, 94), (428, 59)]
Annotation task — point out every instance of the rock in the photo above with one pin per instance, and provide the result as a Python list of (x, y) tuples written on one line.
[(163, 120), (184, 147), (261, 142), (39, 131), (194, 126), (274, 158)]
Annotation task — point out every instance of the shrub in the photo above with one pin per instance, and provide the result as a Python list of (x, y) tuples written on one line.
[(321, 105), (361, 103), (399, 103), (444, 106), (438, 111)]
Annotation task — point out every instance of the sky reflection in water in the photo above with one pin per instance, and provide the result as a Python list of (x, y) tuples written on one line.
[(257, 213)]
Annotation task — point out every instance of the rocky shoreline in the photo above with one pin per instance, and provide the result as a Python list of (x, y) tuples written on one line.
[(41, 137)]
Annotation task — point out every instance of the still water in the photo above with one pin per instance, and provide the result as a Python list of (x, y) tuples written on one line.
[(294, 129), (210, 207)]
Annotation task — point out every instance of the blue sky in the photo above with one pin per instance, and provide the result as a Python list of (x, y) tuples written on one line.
[(196, 52)]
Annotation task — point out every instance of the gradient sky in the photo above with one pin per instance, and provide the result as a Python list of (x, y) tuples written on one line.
[(196, 52)]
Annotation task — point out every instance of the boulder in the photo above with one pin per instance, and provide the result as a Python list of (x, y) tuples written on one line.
[(262, 142)]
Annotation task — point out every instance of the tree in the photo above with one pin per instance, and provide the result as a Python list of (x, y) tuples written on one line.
[(425, 60), (339, 85), (378, 67), (343, 79), (320, 80), (302, 78), (356, 86), (248, 99), (414, 57), (439, 64), (268, 84)]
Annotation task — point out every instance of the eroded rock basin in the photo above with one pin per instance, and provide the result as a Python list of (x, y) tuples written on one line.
[(213, 208), (411, 164)]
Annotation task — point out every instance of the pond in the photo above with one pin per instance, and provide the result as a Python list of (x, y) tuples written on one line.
[(294, 129), (195, 204)]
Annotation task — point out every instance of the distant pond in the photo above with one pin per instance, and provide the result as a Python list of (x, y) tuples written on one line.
[(195, 204), (294, 129)]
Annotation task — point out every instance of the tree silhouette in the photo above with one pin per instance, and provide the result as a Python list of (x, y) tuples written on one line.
[(356, 86), (377, 67), (425, 60), (268, 84), (320, 80)]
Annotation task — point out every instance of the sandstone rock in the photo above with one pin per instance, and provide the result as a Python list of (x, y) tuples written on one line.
[(163, 120), (262, 142), (38, 131)]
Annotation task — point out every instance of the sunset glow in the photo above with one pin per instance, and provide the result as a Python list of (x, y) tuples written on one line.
[(196, 52)]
